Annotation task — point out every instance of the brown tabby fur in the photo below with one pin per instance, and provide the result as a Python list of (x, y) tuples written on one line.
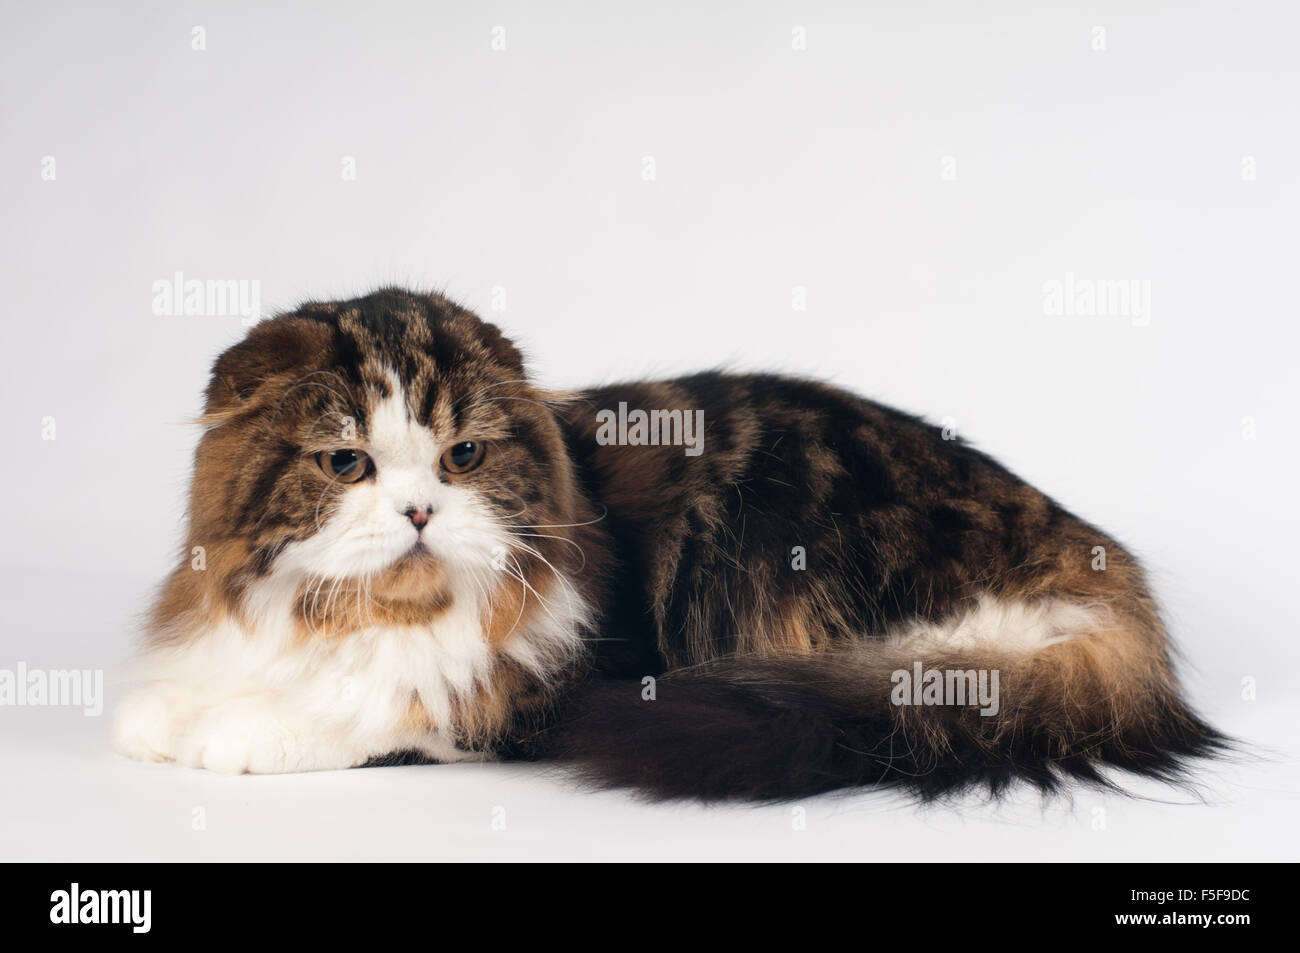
[(774, 680)]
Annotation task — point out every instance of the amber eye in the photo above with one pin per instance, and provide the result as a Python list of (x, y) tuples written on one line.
[(463, 457), (346, 466)]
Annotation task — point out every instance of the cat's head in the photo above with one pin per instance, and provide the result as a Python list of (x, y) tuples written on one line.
[(376, 457)]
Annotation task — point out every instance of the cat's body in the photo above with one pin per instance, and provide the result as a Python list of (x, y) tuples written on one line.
[(727, 619)]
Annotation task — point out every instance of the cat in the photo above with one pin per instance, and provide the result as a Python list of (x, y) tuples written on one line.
[(400, 548)]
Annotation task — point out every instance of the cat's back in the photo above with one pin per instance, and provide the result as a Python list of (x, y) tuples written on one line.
[(801, 442), (743, 505)]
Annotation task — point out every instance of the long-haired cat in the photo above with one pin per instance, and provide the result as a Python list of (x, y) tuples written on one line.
[(714, 587)]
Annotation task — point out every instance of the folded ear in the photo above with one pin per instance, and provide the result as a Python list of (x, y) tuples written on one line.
[(486, 335), (501, 347), (275, 352)]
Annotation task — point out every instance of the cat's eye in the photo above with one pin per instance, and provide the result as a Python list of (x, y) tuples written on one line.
[(463, 457), (345, 466)]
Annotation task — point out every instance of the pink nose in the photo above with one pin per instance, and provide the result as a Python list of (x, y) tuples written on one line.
[(419, 515)]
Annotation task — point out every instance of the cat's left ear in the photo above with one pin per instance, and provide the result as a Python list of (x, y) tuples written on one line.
[(487, 336), (500, 347), (274, 354)]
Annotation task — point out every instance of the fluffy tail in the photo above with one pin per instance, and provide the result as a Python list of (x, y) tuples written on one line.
[(764, 729)]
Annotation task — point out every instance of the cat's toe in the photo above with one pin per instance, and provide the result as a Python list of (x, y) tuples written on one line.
[(230, 738), (145, 724), (251, 736)]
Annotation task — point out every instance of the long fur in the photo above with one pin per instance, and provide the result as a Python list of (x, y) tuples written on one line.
[(771, 729), (722, 608)]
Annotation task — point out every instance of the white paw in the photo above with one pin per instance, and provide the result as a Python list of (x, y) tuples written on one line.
[(254, 735), (147, 721)]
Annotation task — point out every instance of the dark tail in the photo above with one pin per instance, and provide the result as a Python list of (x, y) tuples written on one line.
[(767, 729)]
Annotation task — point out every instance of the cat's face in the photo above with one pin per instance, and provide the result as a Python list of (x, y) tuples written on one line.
[(377, 456)]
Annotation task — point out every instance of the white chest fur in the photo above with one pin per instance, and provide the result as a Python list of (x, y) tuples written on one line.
[(269, 700)]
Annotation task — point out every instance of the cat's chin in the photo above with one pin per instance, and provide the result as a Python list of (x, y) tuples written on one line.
[(412, 590), (412, 576)]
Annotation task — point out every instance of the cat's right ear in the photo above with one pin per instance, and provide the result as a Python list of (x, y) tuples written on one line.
[(275, 353)]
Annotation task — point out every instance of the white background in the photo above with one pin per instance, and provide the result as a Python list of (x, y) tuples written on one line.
[(523, 169)]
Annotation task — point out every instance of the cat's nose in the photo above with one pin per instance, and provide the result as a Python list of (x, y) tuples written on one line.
[(419, 515)]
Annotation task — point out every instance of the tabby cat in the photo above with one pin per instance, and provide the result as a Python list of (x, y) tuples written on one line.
[(715, 587)]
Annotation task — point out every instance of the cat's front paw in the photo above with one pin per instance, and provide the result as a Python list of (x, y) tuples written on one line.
[(147, 722), (254, 735)]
